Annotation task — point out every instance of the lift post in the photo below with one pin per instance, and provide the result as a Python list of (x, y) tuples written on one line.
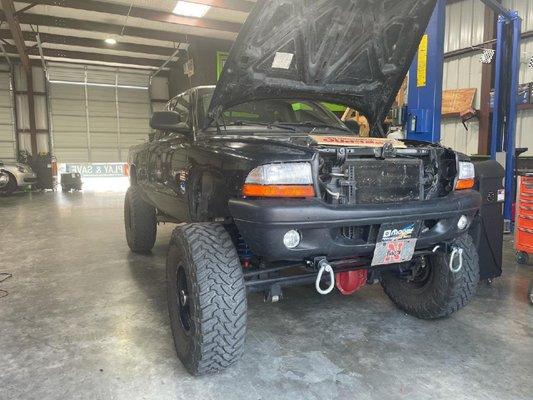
[(425, 89), (425, 81), (504, 115)]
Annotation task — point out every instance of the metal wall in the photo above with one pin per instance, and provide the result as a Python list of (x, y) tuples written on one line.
[(8, 146), (97, 113), (465, 28)]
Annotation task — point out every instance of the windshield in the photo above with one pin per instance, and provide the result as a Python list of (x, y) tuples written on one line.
[(291, 114)]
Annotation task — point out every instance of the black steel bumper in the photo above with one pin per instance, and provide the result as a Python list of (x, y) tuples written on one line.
[(263, 223)]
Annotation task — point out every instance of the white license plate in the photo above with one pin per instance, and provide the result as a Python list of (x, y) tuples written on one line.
[(394, 251)]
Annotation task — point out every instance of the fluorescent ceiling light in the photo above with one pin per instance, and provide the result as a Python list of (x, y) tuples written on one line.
[(110, 41), (190, 9)]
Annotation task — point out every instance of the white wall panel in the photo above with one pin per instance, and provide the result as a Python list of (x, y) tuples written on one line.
[(97, 121), (7, 129), (69, 118)]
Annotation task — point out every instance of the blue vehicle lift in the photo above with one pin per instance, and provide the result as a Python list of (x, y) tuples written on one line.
[(425, 89)]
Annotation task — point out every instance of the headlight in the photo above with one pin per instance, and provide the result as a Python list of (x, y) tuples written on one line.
[(465, 176), (280, 180)]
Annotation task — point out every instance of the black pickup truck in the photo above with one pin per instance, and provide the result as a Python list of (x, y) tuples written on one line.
[(272, 190)]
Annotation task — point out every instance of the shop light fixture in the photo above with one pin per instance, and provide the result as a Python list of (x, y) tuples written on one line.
[(189, 9)]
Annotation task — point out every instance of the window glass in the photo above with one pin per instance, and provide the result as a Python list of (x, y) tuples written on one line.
[(277, 111), (181, 104)]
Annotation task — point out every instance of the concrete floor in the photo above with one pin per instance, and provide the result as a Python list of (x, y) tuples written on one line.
[(87, 319)]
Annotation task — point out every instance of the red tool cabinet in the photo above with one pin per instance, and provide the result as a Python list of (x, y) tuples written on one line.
[(524, 219)]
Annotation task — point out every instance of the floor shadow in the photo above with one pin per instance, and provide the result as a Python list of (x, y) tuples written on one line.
[(148, 273)]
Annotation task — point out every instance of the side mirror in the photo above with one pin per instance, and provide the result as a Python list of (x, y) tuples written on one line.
[(169, 121)]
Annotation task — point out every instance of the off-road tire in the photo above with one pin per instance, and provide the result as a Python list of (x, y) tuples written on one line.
[(140, 222), (11, 186), (444, 292), (209, 335)]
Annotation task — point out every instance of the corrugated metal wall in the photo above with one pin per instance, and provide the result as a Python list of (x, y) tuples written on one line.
[(7, 129), (98, 113), (464, 28)]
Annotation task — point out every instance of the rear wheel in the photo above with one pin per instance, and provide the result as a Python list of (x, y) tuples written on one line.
[(140, 222), (206, 298), (433, 290), (8, 184)]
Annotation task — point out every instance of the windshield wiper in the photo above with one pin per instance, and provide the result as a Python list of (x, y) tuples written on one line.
[(315, 125), (269, 125)]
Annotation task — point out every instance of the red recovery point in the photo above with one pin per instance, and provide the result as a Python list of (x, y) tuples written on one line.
[(351, 281)]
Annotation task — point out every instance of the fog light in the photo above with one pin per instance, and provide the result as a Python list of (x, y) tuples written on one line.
[(291, 239), (463, 222)]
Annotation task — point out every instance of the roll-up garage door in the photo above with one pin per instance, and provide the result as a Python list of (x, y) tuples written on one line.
[(98, 113), (7, 130)]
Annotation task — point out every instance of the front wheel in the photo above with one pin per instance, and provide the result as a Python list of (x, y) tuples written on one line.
[(206, 298), (432, 290)]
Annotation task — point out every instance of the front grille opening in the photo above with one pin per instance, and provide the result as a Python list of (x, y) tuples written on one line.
[(430, 223), (353, 232), (364, 234)]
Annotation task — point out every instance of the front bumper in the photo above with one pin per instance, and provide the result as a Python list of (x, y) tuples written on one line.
[(263, 223), (25, 178)]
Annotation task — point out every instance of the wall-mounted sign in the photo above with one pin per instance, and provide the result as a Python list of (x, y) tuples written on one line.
[(107, 170), (188, 67)]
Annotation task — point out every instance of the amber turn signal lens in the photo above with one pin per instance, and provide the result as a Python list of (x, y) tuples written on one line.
[(463, 184), (278, 191)]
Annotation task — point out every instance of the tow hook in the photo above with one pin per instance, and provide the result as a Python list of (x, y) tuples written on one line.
[(324, 266), (457, 253)]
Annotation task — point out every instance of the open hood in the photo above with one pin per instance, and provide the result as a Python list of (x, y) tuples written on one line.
[(351, 52)]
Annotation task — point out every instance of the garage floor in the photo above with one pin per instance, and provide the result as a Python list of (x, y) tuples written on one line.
[(86, 319)]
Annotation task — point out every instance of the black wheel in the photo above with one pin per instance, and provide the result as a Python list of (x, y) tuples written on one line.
[(432, 290), (206, 298), (65, 189), (10, 187), (522, 257), (140, 222)]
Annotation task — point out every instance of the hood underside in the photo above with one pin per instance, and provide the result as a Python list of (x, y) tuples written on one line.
[(351, 52)]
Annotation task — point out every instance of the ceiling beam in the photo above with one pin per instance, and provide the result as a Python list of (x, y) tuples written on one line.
[(90, 42), (86, 56), (16, 33), (94, 26), (143, 13)]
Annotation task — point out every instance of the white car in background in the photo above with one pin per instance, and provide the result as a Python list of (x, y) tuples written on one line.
[(14, 175)]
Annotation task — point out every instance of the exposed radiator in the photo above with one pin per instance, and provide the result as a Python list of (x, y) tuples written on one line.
[(372, 181)]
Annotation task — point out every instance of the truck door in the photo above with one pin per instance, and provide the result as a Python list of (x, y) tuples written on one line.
[(173, 167)]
